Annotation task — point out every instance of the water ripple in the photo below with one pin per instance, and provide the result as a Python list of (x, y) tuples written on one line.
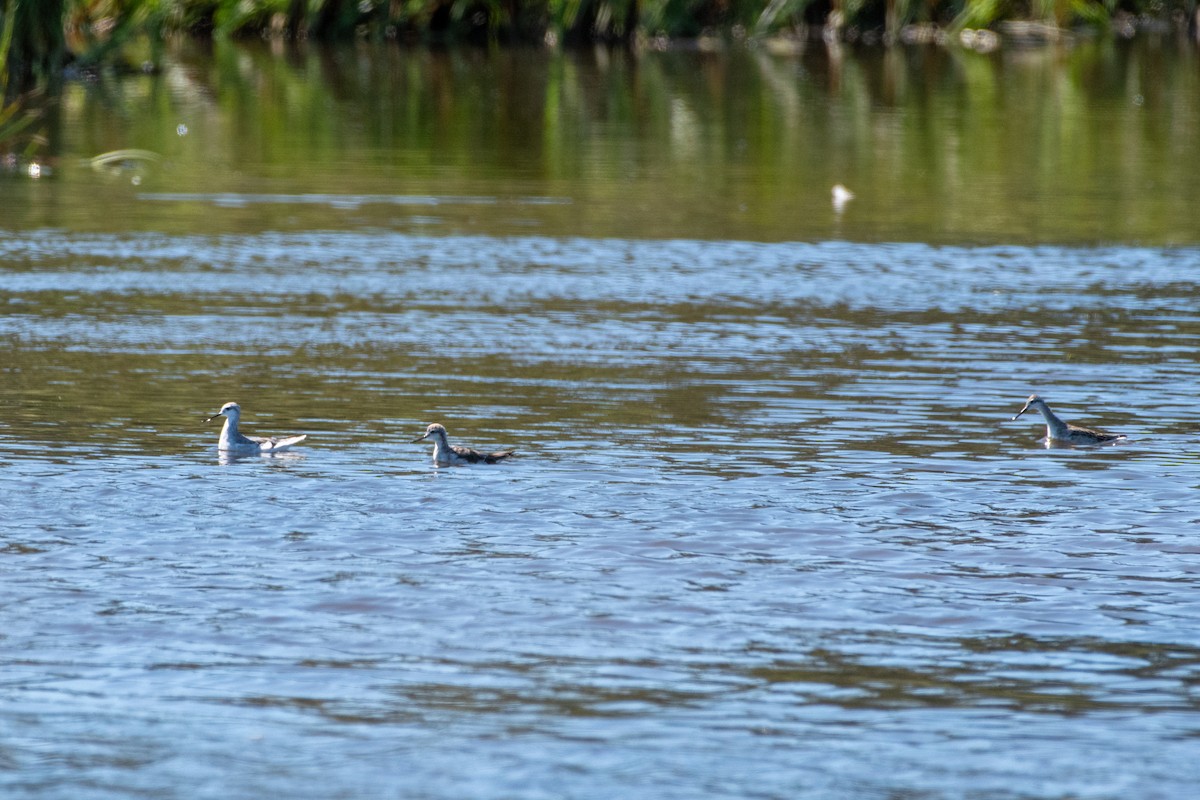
[(767, 497)]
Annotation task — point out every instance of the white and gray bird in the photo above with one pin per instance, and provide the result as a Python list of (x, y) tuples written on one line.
[(1060, 432), (233, 441), (446, 454)]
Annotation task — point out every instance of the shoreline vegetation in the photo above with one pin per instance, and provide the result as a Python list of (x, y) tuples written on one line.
[(45, 42), (39, 37)]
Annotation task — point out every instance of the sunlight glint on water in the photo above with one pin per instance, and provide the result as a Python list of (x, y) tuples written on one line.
[(769, 516), (770, 532)]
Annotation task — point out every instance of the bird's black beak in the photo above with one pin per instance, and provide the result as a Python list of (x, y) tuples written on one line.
[(1022, 411), (420, 439)]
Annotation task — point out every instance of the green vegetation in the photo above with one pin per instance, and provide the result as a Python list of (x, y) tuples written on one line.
[(41, 39), (24, 60), (97, 28)]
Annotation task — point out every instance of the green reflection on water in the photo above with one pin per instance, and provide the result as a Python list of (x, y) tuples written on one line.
[(1094, 142)]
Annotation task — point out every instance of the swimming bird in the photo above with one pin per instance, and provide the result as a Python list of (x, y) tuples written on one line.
[(233, 441), (446, 454), (1058, 431)]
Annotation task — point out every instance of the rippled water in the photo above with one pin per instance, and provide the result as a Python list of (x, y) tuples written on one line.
[(771, 532)]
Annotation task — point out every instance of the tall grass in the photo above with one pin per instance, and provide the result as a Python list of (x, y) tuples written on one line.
[(99, 27), (22, 66), (34, 43), (41, 35)]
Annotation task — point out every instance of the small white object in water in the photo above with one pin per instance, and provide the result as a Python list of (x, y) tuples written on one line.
[(35, 170), (446, 454), (841, 196), (233, 441), (181, 129)]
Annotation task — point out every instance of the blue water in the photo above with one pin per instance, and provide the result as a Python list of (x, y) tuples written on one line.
[(770, 533)]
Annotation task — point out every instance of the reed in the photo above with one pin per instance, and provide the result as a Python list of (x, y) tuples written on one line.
[(34, 43), (41, 35), (16, 78)]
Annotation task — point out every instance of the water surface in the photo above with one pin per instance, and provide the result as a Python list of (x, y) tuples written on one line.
[(1092, 143), (770, 533)]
